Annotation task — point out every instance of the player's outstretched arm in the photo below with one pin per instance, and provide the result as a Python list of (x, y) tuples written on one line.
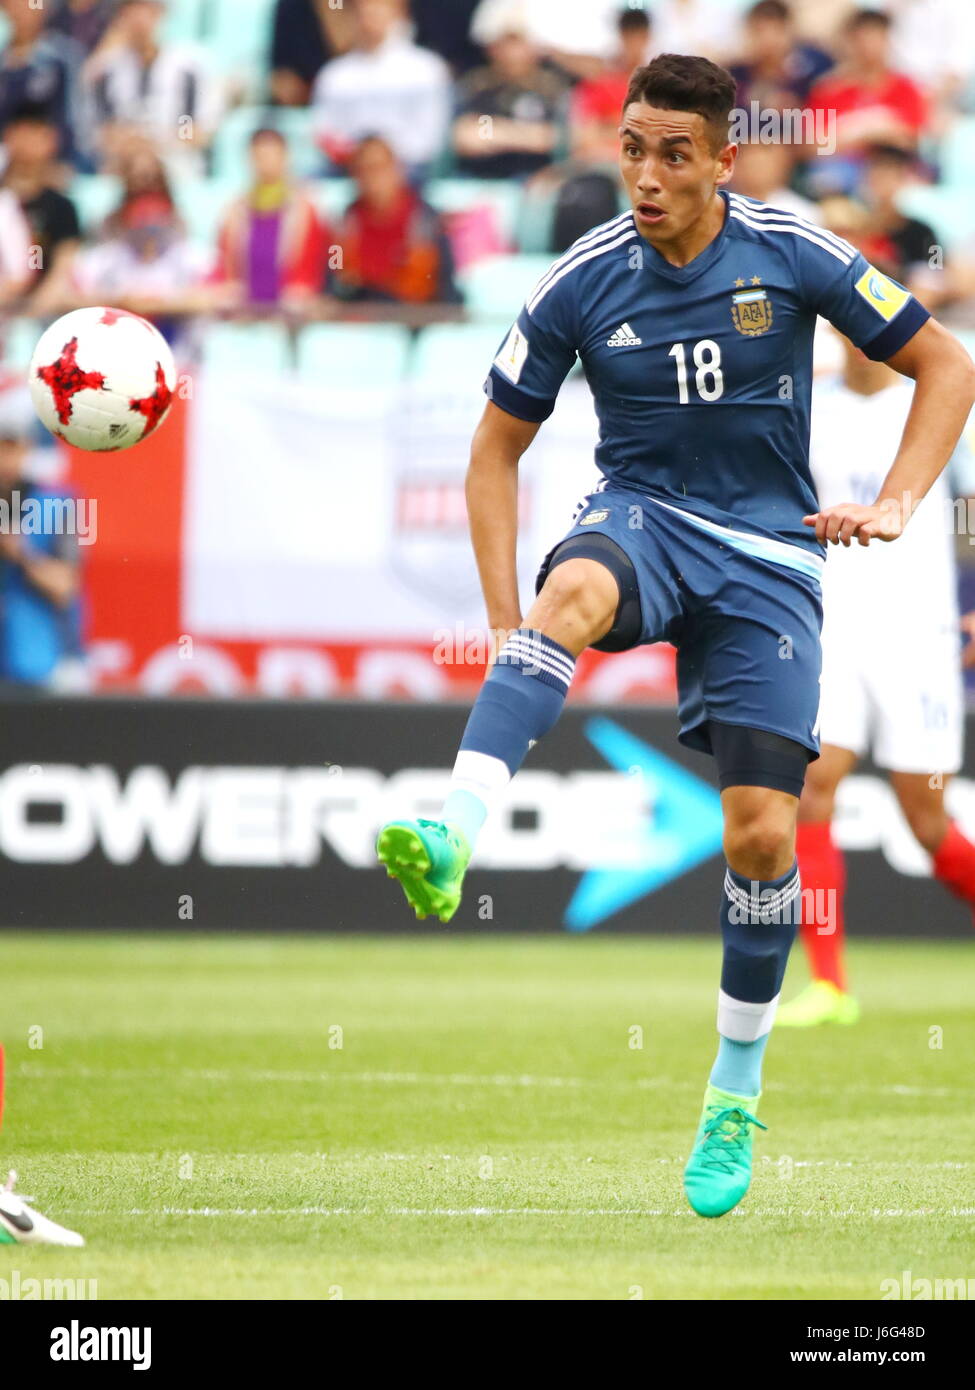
[(492, 509), (944, 393)]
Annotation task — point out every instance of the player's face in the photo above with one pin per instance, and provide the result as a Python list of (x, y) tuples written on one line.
[(670, 169)]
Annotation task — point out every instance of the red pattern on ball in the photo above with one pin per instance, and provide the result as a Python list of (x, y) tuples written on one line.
[(154, 407), (112, 316), (65, 379)]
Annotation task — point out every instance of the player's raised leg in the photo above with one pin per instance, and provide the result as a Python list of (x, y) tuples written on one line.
[(522, 697), (826, 999)]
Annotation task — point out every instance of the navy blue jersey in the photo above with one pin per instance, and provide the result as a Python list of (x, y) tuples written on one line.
[(702, 374)]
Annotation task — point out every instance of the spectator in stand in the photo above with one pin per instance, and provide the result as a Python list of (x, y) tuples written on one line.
[(901, 246), (444, 26), (41, 68), (873, 103), (168, 92), (140, 169), (597, 101), (16, 271), (511, 111), (305, 35), (385, 86), (84, 21), (393, 244), (820, 21), (578, 39), (272, 246), (30, 142), (145, 263), (765, 172), (777, 69), (40, 571), (707, 27)]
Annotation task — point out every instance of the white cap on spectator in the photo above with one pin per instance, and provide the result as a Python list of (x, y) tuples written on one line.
[(17, 418), (495, 18)]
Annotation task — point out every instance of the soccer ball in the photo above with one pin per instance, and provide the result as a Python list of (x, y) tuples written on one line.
[(102, 378)]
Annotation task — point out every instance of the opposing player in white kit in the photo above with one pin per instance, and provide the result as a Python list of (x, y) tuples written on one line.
[(891, 681)]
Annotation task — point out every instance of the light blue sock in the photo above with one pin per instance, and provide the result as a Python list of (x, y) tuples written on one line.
[(466, 811), (738, 1066), (758, 924)]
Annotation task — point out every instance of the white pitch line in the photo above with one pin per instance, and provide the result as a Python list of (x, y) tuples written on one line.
[(874, 1213), (346, 1160), (37, 1072)]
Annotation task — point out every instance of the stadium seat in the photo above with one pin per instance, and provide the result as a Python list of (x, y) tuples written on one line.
[(18, 338), (950, 211), (455, 195), (331, 196), (202, 203), (183, 21), (238, 35), (231, 140), (455, 355), (353, 354), (958, 153), (496, 288), (94, 196), (247, 346), (533, 225)]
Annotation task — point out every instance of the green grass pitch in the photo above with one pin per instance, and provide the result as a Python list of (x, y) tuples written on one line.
[(454, 1117)]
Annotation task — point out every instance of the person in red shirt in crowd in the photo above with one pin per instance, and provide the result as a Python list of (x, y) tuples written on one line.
[(873, 103), (393, 245), (272, 245), (594, 118)]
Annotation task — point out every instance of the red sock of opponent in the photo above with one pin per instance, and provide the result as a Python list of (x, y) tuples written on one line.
[(823, 876), (954, 864)]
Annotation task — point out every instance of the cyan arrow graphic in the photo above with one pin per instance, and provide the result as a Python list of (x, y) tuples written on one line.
[(684, 828)]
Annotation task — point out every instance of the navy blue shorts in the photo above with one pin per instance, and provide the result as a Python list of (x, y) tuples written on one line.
[(746, 627)]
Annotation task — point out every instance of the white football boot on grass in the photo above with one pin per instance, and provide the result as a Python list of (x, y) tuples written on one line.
[(22, 1225)]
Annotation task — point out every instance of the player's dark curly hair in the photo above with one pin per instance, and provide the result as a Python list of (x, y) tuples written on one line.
[(684, 82)]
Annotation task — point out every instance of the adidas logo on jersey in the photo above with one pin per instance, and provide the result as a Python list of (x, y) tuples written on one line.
[(624, 337)]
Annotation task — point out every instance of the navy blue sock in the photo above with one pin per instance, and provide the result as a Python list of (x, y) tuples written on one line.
[(519, 702), (758, 926)]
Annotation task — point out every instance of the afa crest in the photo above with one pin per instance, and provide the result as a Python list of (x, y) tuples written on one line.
[(751, 309)]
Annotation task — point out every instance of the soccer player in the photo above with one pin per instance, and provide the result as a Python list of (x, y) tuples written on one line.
[(891, 672), (693, 315)]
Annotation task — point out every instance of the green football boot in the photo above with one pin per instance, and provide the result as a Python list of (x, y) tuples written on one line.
[(429, 858), (820, 1002), (720, 1166)]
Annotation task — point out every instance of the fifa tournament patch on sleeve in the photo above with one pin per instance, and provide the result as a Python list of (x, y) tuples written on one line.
[(881, 293), (513, 354)]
